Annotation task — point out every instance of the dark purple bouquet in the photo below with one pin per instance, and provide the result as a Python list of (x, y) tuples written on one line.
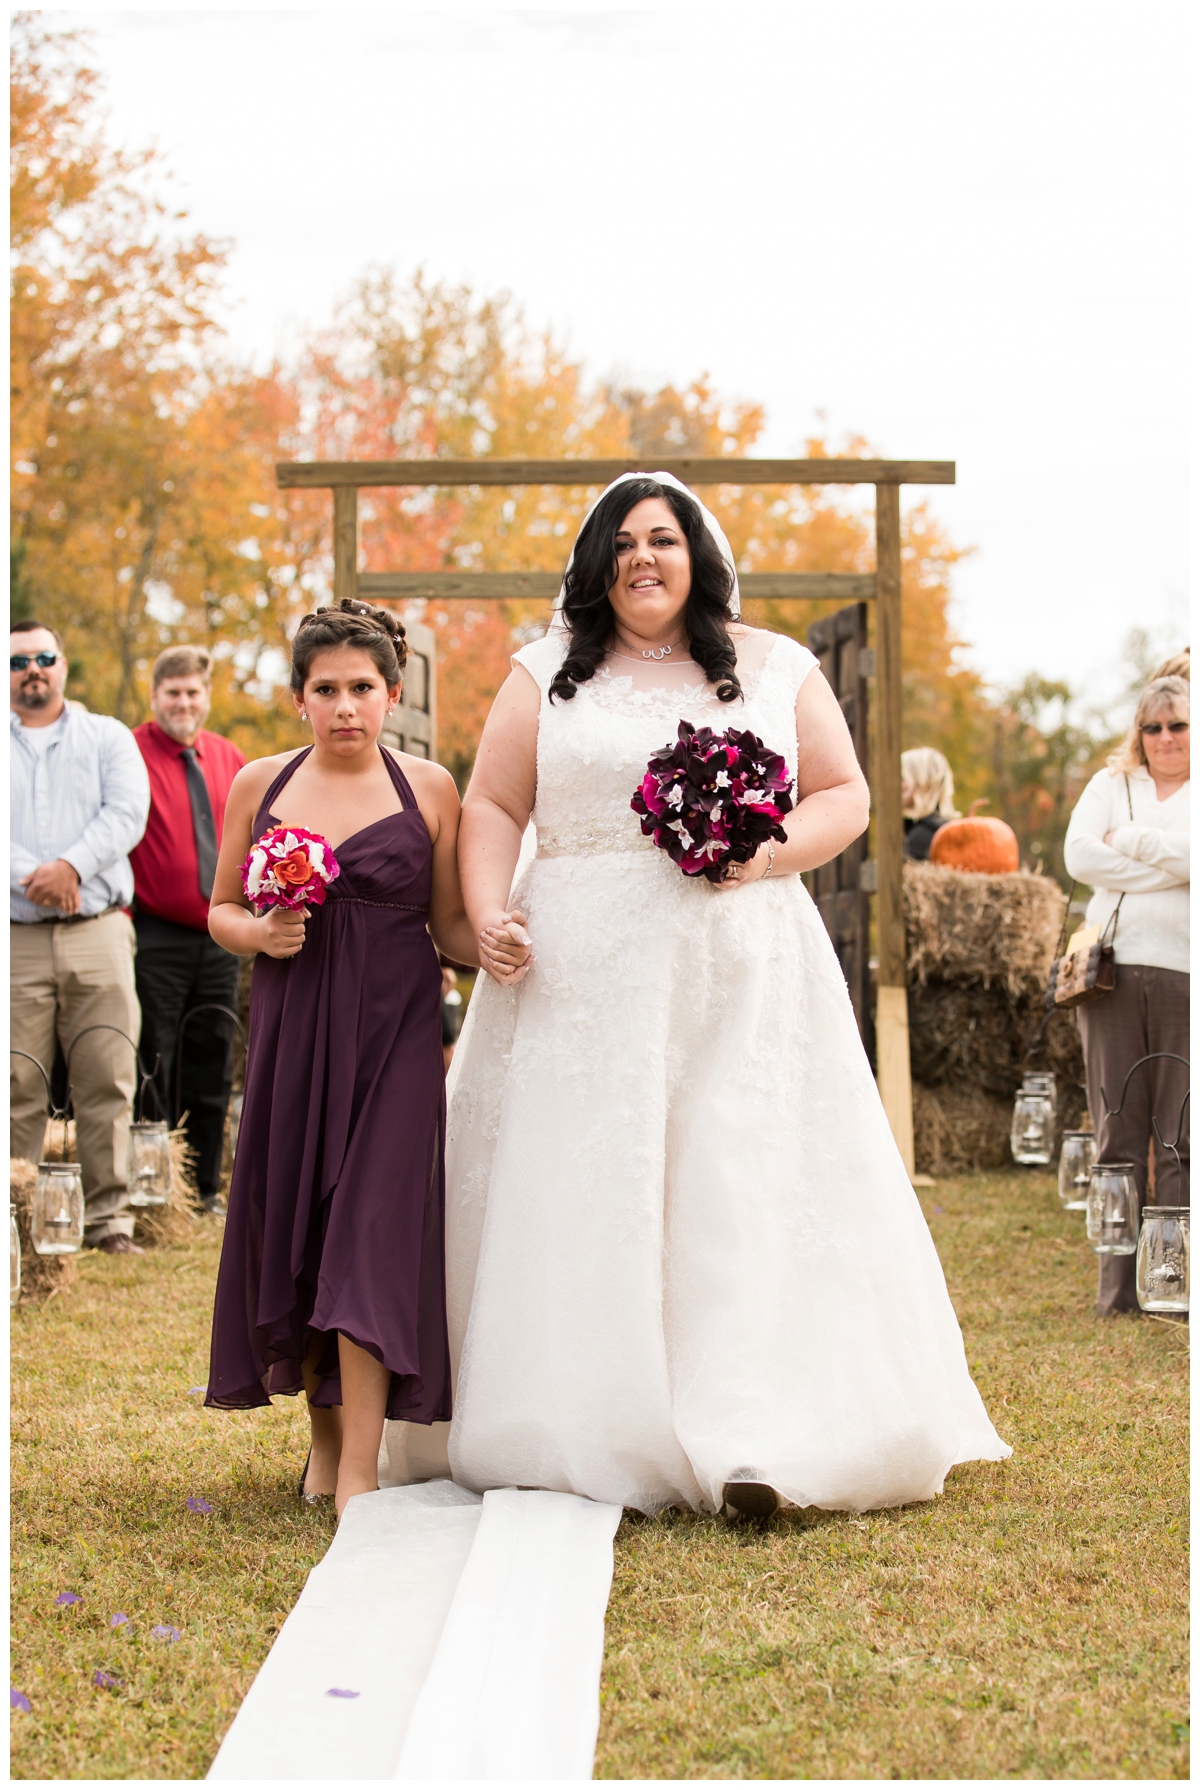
[(711, 799)]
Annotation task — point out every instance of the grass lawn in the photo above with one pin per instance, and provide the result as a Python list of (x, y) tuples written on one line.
[(1028, 1624)]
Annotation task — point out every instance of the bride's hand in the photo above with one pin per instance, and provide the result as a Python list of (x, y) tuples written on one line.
[(737, 876), (506, 949)]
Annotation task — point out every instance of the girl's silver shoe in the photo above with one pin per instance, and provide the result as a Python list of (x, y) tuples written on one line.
[(309, 1497)]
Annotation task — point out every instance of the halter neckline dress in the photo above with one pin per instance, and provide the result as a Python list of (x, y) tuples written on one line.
[(336, 1209)]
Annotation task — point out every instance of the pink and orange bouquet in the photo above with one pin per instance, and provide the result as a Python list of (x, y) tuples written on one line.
[(711, 800), (289, 867)]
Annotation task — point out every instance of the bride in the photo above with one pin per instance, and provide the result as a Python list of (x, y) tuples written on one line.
[(685, 1263)]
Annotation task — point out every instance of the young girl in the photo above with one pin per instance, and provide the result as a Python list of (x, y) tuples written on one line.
[(331, 1272)]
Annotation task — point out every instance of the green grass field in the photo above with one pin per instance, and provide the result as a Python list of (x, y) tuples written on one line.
[(1031, 1623)]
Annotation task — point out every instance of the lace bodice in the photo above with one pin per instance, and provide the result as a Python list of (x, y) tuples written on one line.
[(593, 751)]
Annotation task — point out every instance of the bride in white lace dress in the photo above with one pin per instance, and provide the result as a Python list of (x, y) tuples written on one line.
[(685, 1263)]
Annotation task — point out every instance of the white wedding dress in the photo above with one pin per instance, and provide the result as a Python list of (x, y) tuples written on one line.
[(682, 1245)]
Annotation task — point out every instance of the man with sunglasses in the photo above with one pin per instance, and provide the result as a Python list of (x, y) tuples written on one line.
[(79, 801)]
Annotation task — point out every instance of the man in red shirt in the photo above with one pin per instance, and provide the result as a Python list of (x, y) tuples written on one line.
[(179, 967)]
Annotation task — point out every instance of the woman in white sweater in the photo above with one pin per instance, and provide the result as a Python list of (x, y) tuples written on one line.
[(1129, 838)]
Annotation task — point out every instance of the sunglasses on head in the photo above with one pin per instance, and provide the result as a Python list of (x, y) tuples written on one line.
[(20, 661), (1156, 727)]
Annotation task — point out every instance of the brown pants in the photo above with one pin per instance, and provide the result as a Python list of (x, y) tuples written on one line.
[(63, 978), (1146, 1011)]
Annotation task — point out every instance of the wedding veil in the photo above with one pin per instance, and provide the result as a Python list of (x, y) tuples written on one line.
[(710, 522)]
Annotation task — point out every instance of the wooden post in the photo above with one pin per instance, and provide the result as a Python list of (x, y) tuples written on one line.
[(891, 1012), (345, 542)]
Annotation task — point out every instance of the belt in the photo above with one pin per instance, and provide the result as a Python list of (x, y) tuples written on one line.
[(70, 919)]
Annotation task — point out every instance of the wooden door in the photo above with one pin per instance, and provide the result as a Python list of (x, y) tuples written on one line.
[(413, 727), (841, 889)]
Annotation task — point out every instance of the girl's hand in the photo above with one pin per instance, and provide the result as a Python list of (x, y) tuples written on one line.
[(737, 876), (506, 949), (281, 931)]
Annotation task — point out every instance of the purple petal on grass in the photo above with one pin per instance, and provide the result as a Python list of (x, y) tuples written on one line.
[(67, 1597), (18, 1700), (164, 1632), (119, 1620), (192, 1389), (200, 1504), (937, 1211), (104, 1681), (336, 1693)]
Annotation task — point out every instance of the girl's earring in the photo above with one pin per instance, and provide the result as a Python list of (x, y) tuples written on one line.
[(304, 714)]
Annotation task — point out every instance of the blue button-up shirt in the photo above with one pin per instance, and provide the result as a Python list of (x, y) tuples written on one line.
[(84, 799)]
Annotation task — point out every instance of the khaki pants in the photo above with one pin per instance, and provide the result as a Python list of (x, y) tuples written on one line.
[(1146, 1011), (64, 978)]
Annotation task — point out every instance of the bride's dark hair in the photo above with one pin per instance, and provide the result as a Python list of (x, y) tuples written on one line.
[(588, 613)]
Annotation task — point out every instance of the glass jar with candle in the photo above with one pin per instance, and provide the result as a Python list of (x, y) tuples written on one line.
[(148, 1163), (1075, 1169), (1162, 1259), (1112, 1208), (56, 1218), (14, 1257), (1032, 1134), (1039, 1082)]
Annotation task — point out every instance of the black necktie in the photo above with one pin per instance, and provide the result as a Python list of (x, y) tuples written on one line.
[(203, 825)]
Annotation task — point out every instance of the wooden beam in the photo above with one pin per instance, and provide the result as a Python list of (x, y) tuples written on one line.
[(891, 1015), (345, 542), (310, 474), (838, 587), (889, 824)]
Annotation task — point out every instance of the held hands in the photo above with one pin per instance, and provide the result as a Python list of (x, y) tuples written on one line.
[(281, 931), (54, 885), (506, 949)]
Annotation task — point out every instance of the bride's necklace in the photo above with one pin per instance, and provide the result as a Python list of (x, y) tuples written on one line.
[(650, 652)]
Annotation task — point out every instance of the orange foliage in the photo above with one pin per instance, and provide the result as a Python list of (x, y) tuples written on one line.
[(145, 508)]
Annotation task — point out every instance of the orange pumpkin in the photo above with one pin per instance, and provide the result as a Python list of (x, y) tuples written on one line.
[(980, 843)]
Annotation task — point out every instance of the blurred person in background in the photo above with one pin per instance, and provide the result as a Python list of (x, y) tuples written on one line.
[(1129, 839), (1178, 665), (179, 966), (452, 1011), (926, 796), (79, 799)]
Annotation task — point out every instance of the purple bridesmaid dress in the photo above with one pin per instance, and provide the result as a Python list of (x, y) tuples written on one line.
[(337, 1204)]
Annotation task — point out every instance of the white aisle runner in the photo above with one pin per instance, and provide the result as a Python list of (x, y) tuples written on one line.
[(471, 1631)]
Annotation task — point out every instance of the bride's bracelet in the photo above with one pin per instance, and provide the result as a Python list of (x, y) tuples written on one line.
[(770, 859)]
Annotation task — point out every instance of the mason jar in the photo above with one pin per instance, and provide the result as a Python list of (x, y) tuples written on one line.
[(1032, 1134), (148, 1163), (1075, 1168), (1043, 1082), (56, 1218), (1162, 1258), (1112, 1208)]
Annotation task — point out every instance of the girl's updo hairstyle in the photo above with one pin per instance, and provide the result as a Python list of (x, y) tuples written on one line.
[(376, 632), (588, 614)]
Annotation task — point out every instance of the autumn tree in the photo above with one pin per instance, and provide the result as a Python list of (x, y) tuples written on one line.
[(145, 508)]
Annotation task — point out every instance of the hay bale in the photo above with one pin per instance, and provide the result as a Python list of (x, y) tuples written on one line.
[(980, 1038), (959, 1131), (979, 949), (41, 1275), (985, 931), (962, 1130)]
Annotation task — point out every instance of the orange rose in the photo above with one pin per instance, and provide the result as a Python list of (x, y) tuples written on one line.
[(295, 870)]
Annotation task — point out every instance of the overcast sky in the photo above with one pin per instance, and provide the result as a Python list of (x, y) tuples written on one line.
[(955, 229)]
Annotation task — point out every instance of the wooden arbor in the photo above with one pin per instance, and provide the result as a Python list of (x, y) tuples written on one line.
[(882, 588)]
